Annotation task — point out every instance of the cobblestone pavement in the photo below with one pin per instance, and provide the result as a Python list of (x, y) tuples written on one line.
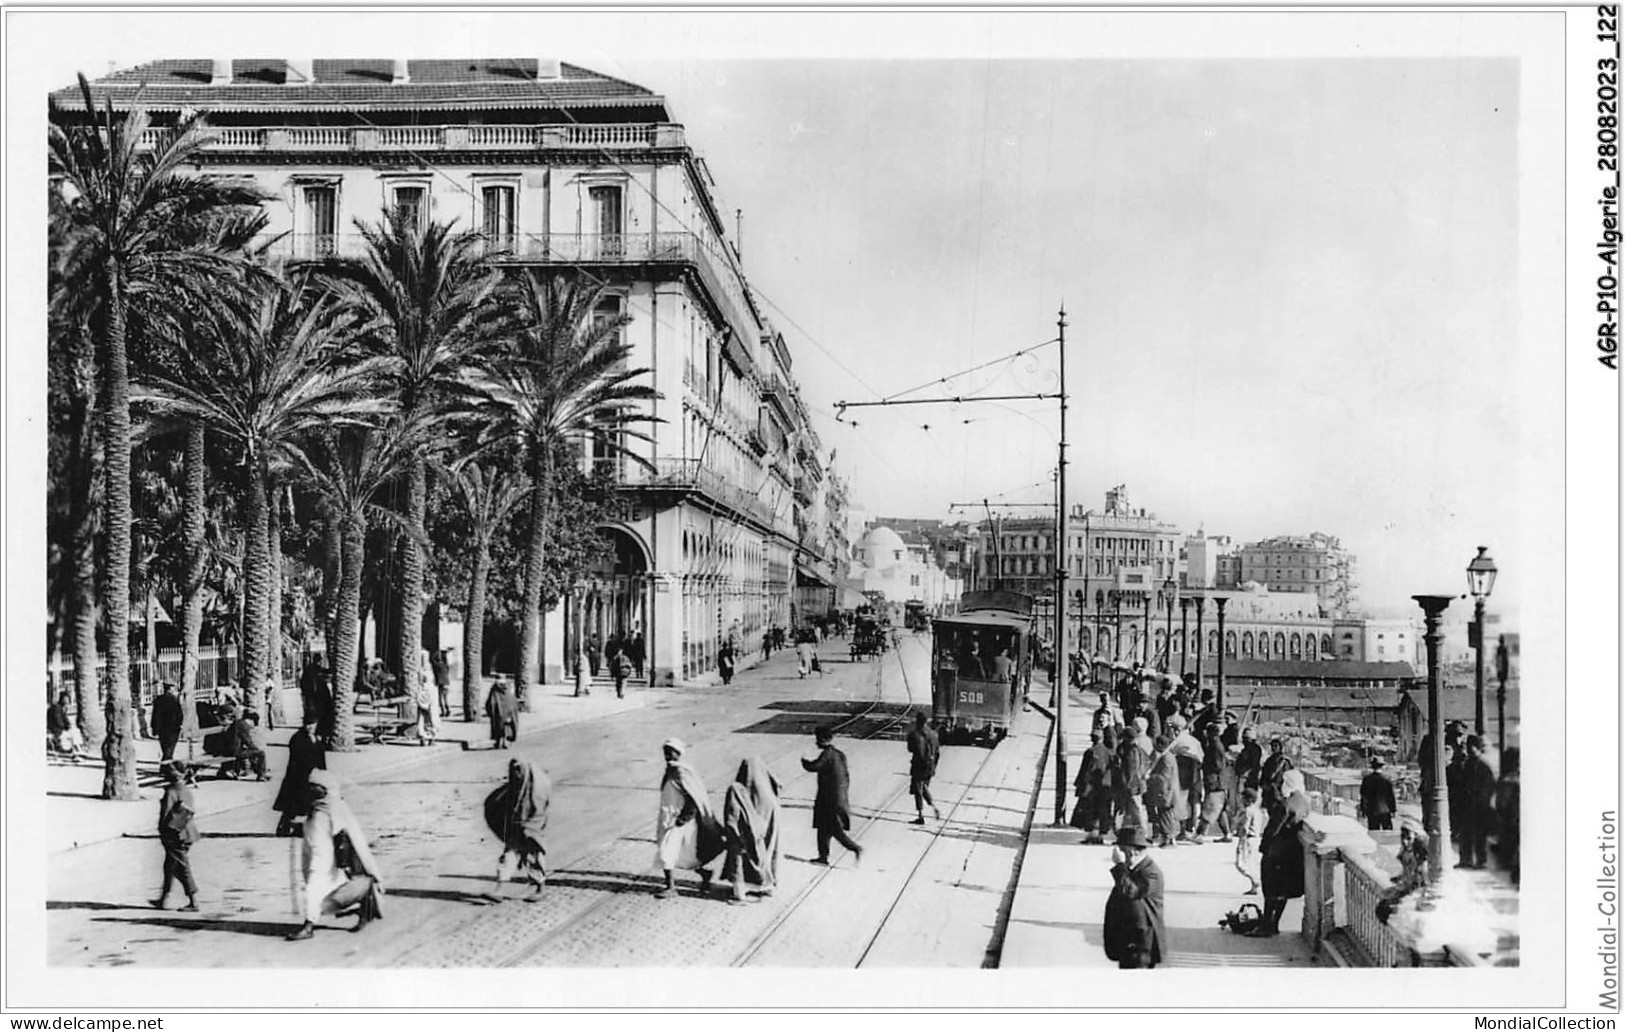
[(598, 909)]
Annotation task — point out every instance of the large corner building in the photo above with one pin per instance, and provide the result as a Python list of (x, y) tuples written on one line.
[(740, 524)]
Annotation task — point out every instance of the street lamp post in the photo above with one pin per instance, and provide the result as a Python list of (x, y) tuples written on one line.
[(1184, 637), (1480, 582), (1201, 642), (1117, 625), (1435, 803), (1219, 695), (1168, 589)]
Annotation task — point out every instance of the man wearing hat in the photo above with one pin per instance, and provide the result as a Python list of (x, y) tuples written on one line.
[(177, 830), (1377, 798), (1133, 929), (167, 720), (831, 814)]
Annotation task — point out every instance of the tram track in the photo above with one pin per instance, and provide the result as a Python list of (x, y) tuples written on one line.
[(767, 935), (542, 942)]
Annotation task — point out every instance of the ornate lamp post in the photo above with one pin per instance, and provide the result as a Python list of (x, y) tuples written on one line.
[(1168, 590), (1480, 582), (1184, 638), (1117, 619), (1435, 802), (1201, 643), (1218, 603)]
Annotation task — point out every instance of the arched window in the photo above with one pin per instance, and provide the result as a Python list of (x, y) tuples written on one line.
[(1326, 645), (1280, 645), (1247, 645), (1084, 639), (1105, 643), (1196, 642), (1296, 645), (1100, 600), (1213, 643), (1159, 641), (1230, 643)]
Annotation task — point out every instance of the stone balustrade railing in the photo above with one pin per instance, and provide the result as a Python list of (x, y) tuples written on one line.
[(439, 137), (1342, 886)]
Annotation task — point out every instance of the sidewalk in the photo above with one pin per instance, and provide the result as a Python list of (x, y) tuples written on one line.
[(76, 815), (1060, 898)]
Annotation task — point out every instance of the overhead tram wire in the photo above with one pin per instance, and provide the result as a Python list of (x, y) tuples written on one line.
[(973, 369)]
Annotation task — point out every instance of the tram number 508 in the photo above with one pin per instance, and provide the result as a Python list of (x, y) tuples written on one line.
[(970, 697)]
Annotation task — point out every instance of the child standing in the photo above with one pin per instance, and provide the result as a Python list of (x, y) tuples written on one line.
[(1250, 829)]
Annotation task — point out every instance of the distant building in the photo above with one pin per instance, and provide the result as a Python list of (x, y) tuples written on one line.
[(901, 570), (1313, 563)]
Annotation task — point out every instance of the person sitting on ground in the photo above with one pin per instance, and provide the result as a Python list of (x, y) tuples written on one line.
[(250, 747), (65, 737)]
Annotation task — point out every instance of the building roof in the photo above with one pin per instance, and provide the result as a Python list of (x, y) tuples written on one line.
[(1332, 670), (1311, 699), (261, 84)]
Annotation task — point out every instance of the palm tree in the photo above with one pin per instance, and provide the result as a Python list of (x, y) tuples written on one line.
[(348, 468), (431, 289), (123, 209), (285, 374), (490, 498), (565, 377)]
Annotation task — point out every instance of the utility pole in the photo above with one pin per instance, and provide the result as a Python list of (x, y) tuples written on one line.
[(1060, 592)]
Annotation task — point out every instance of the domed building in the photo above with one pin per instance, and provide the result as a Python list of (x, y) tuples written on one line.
[(900, 570)]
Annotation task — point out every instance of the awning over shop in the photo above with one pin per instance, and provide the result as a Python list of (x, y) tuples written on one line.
[(850, 599), (808, 577)]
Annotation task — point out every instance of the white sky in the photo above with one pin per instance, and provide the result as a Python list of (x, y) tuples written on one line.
[(1293, 284)]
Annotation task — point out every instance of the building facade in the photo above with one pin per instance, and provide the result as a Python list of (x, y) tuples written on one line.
[(567, 170), (1316, 564)]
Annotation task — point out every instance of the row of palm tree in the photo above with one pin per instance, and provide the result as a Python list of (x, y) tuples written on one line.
[(351, 387)]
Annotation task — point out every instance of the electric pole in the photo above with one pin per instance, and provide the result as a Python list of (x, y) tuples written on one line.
[(1060, 671)]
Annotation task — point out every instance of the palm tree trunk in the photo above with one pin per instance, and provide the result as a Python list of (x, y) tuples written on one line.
[(82, 554), (409, 636), (192, 515), (273, 607), (256, 585), (474, 633), (118, 748), (347, 648), (530, 646), (332, 567)]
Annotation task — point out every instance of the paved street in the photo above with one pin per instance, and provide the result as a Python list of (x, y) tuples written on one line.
[(920, 898)]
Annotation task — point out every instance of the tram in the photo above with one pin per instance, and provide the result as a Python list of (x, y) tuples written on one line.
[(914, 617), (981, 665)]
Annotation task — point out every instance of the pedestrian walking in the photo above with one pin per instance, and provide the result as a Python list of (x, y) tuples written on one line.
[(1214, 800), (767, 645), (423, 690), (621, 668), (516, 812), (177, 830), (595, 653), (1133, 765), (817, 666), (725, 662), (316, 692), (832, 816), (341, 876), (503, 714), (65, 737), (924, 748), (440, 663), (750, 827), (687, 833), (1163, 794), (803, 658), (1281, 859), (1507, 792), (635, 651), (1133, 930), (1478, 805), (167, 720), (1092, 812), (1269, 775), (306, 754), (1249, 829), (1188, 756), (1377, 799)]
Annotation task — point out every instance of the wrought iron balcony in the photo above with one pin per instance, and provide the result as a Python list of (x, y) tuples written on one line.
[(688, 475)]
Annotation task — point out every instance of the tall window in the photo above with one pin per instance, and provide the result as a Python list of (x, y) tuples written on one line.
[(606, 215), (497, 206), (321, 220), (411, 203)]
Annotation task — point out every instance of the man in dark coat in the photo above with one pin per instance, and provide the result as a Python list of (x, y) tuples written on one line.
[(1377, 798), (316, 692), (1478, 805), (1133, 930), (831, 814), (635, 652), (1454, 784), (1093, 811), (503, 713), (167, 720), (1269, 776), (1250, 764), (1507, 795), (177, 830), (305, 754), (923, 750), (440, 664)]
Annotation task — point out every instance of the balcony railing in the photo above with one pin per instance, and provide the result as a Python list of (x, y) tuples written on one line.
[(1363, 888), (690, 475), (442, 137)]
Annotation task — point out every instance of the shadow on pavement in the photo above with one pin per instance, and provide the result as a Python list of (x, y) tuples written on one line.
[(444, 895), (266, 929), (805, 723), (604, 881), (836, 706), (87, 904)]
